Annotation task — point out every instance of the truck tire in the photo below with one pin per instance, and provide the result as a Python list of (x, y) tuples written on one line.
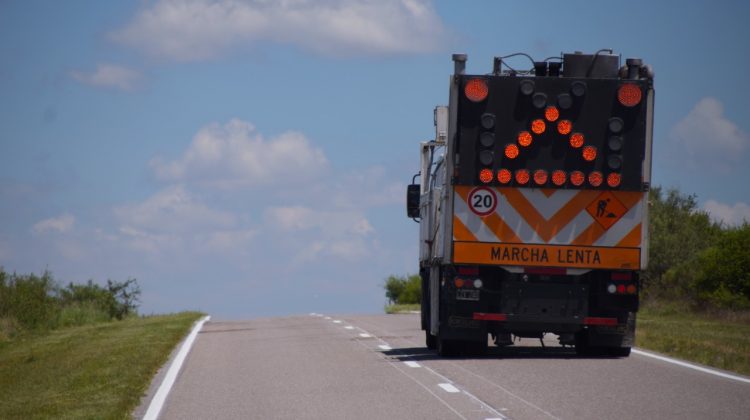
[(618, 351), (430, 340)]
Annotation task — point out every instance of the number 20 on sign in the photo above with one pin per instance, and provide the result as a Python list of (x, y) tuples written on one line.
[(482, 201)]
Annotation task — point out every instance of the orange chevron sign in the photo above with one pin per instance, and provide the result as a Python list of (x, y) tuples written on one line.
[(571, 220)]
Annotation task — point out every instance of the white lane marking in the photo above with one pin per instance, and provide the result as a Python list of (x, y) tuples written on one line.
[(470, 395), (691, 366), (154, 408), (328, 318), (449, 388), (337, 321), (364, 335), (349, 327), (385, 347), (412, 364)]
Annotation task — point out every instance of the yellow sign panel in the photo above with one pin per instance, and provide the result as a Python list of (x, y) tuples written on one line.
[(546, 255)]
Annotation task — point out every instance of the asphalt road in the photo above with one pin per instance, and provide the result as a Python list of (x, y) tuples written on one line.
[(376, 367)]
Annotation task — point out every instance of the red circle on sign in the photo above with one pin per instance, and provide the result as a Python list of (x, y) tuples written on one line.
[(482, 201)]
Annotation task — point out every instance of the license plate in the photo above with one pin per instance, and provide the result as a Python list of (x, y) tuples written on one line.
[(464, 294)]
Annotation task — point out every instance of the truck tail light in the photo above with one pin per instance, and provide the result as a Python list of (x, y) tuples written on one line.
[(551, 114), (504, 176), (538, 126), (476, 90), (629, 95), (540, 177), (511, 151), (564, 127), (485, 175), (522, 176), (577, 178), (525, 139), (576, 141), (558, 177)]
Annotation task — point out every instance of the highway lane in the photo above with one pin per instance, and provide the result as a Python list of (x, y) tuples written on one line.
[(376, 367)]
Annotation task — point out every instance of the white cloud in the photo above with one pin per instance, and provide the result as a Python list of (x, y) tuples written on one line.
[(332, 222), (708, 138), (109, 76), (173, 210), (730, 214), (310, 234), (187, 30), (60, 224), (234, 155)]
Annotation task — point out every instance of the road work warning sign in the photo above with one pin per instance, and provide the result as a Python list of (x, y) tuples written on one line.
[(606, 209)]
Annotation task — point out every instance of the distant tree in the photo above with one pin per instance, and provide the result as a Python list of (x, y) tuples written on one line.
[(678, 232), (403, 290), (723, 276)]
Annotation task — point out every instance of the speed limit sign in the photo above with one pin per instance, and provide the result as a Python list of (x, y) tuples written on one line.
[(482, 201)]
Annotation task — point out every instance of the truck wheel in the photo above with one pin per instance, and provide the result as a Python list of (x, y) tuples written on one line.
[(430, 340), (619, 351)]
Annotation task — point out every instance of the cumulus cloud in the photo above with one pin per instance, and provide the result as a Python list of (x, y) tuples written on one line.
[(60, 224), (735, 214), (173, 210), (707, 136), (188, 30), (319, 233), (109, 76), (235, 155)]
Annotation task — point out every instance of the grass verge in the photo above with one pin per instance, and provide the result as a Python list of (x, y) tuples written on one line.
[(402, 308), (721, 341), (92, 371)]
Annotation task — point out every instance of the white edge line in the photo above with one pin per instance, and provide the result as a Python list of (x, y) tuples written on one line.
[(691, 366), (154, 408)]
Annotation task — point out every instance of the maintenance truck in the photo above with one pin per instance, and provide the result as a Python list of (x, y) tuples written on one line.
[(533, 204)]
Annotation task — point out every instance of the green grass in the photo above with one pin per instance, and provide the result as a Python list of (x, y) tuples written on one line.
[(718, 340), (91, 371), (402, 308)]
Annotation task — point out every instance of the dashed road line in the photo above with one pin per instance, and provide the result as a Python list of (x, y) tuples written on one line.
[(412, 364), (449, 388)]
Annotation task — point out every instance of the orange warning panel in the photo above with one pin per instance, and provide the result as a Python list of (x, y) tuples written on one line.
[(546, 255)]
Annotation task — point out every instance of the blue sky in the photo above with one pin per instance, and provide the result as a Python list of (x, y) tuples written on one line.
[(249, 158)]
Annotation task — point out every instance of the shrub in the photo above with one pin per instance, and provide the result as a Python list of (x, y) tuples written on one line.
[(403, 290), (30, 302), (723, 278)]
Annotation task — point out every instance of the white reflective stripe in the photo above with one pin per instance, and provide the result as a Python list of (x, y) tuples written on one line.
[(574, 228), (472, 222), (517, 223), (619, 230), (548, 206)]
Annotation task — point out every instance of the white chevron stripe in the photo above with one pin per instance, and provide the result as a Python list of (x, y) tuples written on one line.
[(574, 228), (548, 206), (517, 223), (472, 222)]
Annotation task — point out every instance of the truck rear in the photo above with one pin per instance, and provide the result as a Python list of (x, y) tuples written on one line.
[(532, 205)]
